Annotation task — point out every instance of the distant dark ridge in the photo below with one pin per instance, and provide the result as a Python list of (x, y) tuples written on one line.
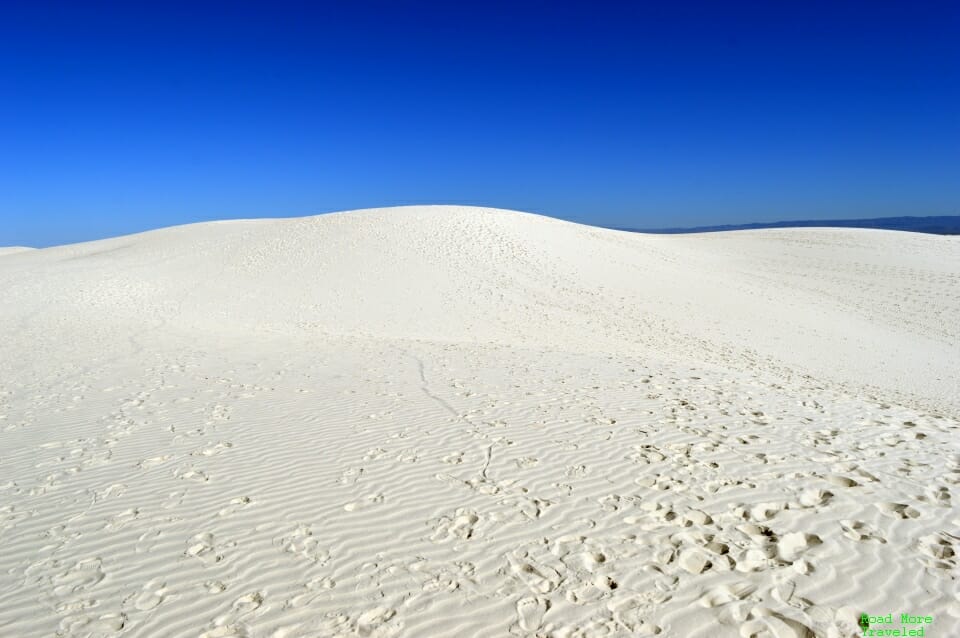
[(943, 225)]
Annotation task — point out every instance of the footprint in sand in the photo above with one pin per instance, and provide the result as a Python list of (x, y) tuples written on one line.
[(201, 546), (173, 499), (539, 578), (757, 559), (840, 481), (375, 454), (77, 604), (10, 516), (724, 594), (576, 471), (792, 546), (147, 541), (589, 556), (458, 526), (350, 476), (313, 589), (785, 592), (191, 474), (366, 501), (92, 625), (529, 508), (81, 576), (117, 489), (693, 561), (897, 510), (219, 413), (121, 519), (243, 606), (527, 462), (301, 542), (938, 549), (860, 531), (60, 535), (938, 496), (212, 449), (815, 497), (235, 505), (696, 517), (380, 622), (631, 612), (646, 454), (247, 603), (765, 511), (227, 631), (408, 456), (151, 596), (153, 461), (612, 502), (588, 591), (453, 459), (565, 489), (530, 611)]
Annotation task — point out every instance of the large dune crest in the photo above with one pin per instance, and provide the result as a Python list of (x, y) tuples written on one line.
[(854, 306), (12, 250)]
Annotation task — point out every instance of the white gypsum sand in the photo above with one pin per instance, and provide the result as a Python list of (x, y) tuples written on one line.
[(451, 421), (10, 250)]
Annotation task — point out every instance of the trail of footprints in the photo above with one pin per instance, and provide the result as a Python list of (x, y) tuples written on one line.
[(527, 512)]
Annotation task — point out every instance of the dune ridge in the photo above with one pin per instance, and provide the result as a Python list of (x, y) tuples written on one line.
[(461, 421), (855, 306), (12, 250)]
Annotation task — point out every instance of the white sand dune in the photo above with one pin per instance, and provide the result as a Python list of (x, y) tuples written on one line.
[(11, 250), (458, 421)]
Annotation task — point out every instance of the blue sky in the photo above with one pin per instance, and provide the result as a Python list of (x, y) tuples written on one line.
[(116, 118)]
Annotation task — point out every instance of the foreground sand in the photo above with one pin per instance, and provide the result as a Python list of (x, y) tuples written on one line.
[(444, 421)]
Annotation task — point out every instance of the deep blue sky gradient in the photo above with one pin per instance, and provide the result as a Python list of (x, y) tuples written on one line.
[(120, 117)]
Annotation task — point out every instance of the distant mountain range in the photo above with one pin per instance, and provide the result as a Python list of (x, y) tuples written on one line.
[(943, 225)]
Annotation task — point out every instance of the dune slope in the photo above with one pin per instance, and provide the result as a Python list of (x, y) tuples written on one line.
[(462, 421)]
